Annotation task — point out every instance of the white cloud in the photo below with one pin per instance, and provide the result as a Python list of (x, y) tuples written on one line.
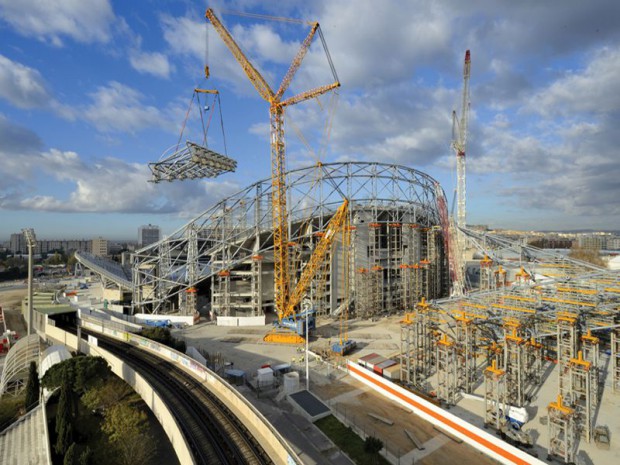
[(117, 107), (594, 89), (154, 63), (187, 38), (21, 85), (82, 21)]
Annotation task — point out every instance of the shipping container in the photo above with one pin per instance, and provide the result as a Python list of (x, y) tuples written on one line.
[(362, 360), (392, 372)]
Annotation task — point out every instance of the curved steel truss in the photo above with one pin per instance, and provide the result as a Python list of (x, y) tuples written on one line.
[(238, 229)]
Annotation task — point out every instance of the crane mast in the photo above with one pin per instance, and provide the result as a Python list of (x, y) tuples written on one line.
[(282, 283), (459, 143)]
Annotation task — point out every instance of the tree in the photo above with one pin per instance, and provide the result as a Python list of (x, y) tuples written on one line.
[(163, 336), (83, 373), (107, 395), (64, 418), (32, 387), (586, 255), (373, 446), (127, 430), (70, 455), (85, 457)]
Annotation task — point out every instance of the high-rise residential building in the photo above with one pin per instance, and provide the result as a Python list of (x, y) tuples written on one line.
[(99, 247), (148, 234), (613, 243), (17, 243), (592, 242)]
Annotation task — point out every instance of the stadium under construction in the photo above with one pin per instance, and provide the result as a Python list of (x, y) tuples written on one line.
[(526, 313), (394, 257), (516, 339)]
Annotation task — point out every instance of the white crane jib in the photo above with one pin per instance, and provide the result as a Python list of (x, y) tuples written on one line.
[(459, 143)]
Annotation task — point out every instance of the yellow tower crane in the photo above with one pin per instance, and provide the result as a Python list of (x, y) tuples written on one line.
[(284, 299)]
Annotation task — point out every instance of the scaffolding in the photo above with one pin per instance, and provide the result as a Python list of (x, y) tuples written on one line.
[(494, 395), (590, 349), (566, 349), (466, 342), (514, 363), (562, 442), (487, 282), (394, 301), (406, 286), (363, 292), (447, 384), (533, 365), (390, 197), (257, 284), (584, 393), (417, 344), (615, 360), (500, 277)]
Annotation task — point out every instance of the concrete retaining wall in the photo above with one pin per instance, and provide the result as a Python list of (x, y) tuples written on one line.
[(241, 320), (188, 320), (474, 436)]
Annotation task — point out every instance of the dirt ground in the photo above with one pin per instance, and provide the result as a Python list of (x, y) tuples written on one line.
[(353, 401), (10, 301)]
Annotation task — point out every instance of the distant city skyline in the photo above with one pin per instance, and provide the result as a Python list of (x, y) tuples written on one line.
[(96, 91)]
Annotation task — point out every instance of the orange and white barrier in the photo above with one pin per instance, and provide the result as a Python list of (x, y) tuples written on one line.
[(486, 443)]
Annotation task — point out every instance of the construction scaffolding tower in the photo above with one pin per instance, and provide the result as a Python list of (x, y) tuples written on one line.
[(417, 344), (487, 282), (376, 270), (192, 270), (500, 277), (466, 343), (406, 286), (615, 359), (494, 395), (566, 349), (363, 293), (257, 284), (514, 363), (584, 393), (533, 364), (447, 385), (562, 441), (395, 260), (590, 349)]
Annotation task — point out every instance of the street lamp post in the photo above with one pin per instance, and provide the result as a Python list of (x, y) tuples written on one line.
[(32, 243)]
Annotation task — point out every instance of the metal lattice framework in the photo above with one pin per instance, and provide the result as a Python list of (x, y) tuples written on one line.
[(17, 364), (192, 161), (240, 227)]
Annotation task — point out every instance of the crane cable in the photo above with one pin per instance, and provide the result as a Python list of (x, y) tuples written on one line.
[(185, 121)]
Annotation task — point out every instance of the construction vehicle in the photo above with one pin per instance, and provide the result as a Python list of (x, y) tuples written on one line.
[(344, 347), (285, 300), (297, 322)]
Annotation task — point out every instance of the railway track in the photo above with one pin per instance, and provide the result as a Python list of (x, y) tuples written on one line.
[(214, 434)]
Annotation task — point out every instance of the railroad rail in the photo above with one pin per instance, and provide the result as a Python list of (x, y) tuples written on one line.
[(214, 434)]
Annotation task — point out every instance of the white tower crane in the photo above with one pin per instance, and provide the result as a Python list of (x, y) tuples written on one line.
[(459, 142)]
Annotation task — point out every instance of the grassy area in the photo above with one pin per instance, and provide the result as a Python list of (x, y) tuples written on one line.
[(9, 408), (348, 441)]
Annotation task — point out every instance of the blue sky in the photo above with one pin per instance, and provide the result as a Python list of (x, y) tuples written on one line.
[(91, 91)]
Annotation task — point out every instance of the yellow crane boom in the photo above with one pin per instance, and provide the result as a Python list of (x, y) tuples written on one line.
[(282, 282), (334, 226)]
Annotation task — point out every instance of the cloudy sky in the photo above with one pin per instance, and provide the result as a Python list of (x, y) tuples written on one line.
[(93, 90)]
